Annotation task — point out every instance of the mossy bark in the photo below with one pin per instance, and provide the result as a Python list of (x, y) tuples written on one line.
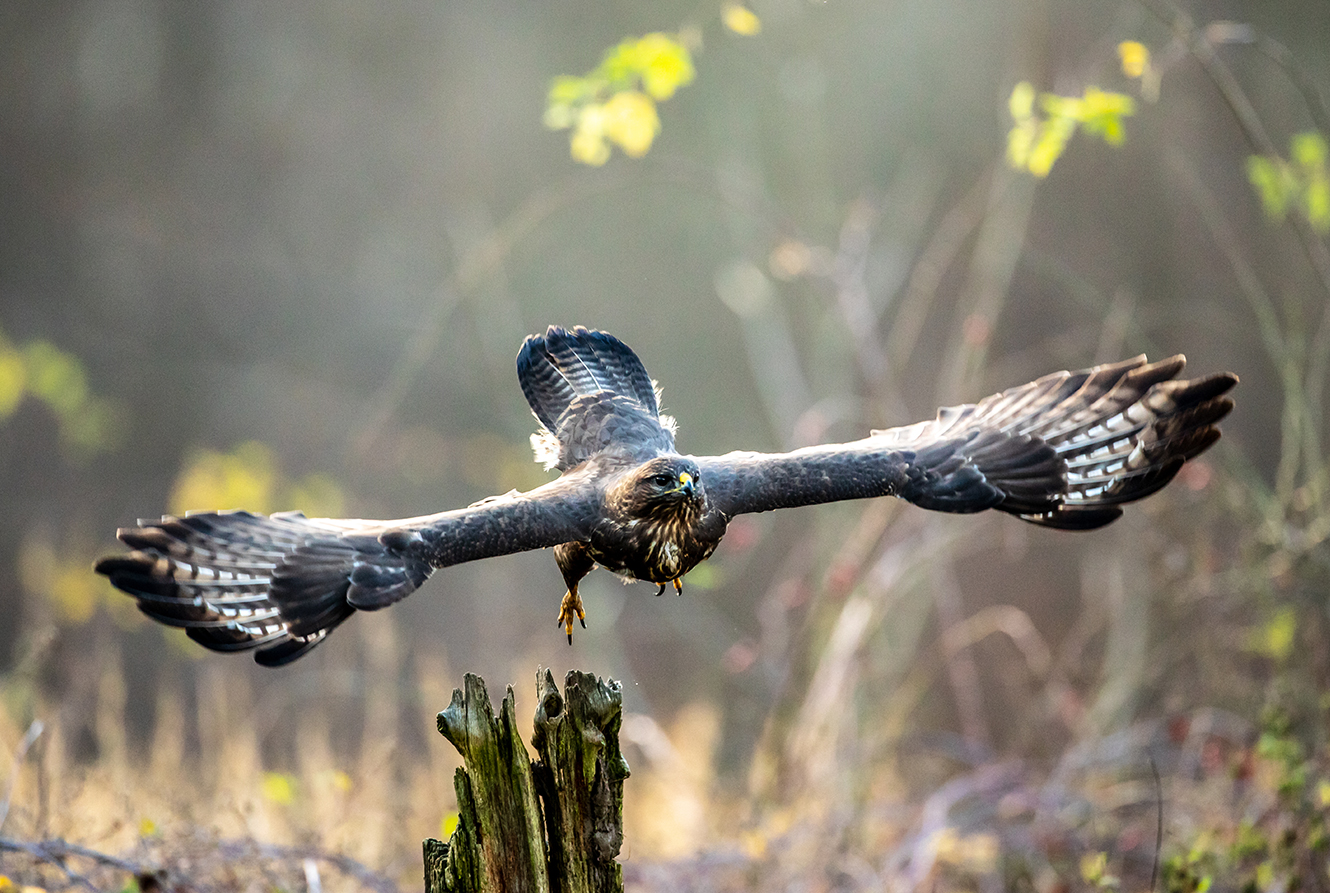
[(580, 779), (504, 840)]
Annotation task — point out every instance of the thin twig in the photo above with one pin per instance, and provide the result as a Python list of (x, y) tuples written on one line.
[(54, 852), (1159, 821), (471, 271), (1201, 45), (29, 739), (367, 876), (1283, 57)]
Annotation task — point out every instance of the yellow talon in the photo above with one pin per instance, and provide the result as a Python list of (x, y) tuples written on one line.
[(678, 587), (571, 607)]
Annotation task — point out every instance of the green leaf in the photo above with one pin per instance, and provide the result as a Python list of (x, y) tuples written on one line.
[(13, 380), (56, 377), (1308, 150), (1303, 182), (1267, 178), (1316, 202)]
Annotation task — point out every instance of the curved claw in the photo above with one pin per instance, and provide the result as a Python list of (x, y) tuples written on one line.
[(571, 607), (678, 587)]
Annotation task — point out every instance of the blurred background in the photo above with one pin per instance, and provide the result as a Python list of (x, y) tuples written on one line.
[(278, 256)]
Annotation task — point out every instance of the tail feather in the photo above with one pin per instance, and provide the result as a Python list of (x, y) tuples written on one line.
[(561, 365), (587, 389), (237, 581)]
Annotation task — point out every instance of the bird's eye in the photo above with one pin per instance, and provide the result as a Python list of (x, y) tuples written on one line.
[(662, 480)]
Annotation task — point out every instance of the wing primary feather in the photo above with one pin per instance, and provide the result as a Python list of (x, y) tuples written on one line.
[(1064, 451), (239, 581), (278, 585)]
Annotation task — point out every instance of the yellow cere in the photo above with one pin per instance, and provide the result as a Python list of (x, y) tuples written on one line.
[(684, 477)]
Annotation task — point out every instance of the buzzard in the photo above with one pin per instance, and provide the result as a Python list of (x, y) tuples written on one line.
[(1065, 451)]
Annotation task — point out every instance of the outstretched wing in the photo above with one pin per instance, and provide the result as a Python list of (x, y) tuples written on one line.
[(1064, 451), (280, 584)]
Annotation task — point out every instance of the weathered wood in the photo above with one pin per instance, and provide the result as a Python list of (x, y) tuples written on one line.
[(503, 842), (436, 863), (580, 779), (496, 800)]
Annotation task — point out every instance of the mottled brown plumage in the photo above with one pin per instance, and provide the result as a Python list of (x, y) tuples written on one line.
[(1065, 451)]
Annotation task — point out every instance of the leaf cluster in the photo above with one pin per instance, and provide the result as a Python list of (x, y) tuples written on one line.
[(1301, 182), (44, 372), (616, 101), (1037, 141)]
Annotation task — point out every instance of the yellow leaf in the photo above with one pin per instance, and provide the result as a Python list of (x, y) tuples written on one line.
[(75, 592), (447, 825), (1097, 103), (1049, 146), (740, 19), (568, 90), (588, 143), (559, 116), (1135, 58), (1317, 201), (279, 788), (1093, 866), (665, 65), (243, 478), (1279, 633), (1019, 143), (1308, 149), (973, 852), (340, 781), (1021, 102), (56, 377), (63, 580), (1056, 106), (632, 122), (13, 378)]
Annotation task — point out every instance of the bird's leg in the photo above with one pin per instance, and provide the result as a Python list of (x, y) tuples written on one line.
[(575, 562), (661, 590)]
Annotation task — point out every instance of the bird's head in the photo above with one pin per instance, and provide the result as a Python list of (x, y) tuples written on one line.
[(664, 486)]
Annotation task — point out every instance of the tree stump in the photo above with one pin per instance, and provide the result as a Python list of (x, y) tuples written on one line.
[(553, 825)]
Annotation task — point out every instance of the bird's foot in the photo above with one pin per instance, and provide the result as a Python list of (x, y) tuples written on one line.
[(678, 586), (571, 607)]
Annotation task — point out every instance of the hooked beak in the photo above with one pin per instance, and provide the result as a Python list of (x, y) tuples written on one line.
[(686, 484)]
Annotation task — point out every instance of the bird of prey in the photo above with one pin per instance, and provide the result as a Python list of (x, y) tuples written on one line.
[(1065, 451)]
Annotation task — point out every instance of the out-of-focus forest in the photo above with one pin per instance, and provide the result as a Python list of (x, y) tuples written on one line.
[(281, 256)]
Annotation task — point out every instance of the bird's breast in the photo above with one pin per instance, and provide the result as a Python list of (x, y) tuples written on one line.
[(659, 550)]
